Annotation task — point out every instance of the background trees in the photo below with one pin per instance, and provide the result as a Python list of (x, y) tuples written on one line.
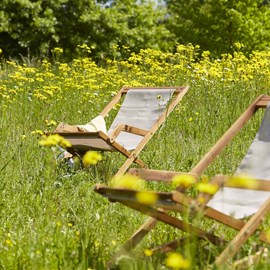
[(216, 25), (35, 27)]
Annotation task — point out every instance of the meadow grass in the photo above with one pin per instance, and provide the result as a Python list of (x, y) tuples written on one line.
[(50, 216)]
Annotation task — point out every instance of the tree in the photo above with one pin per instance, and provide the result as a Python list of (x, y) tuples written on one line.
[(37, 26), (216, 25)]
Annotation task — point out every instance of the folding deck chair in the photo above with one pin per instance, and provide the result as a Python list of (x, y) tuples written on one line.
[(233, 201), (142, 112)]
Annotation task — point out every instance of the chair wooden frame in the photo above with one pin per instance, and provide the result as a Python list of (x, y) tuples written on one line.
[(99, 141), (176, 200)]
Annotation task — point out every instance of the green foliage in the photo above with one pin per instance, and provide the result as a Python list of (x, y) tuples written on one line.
[(216, 25), (37, 26)]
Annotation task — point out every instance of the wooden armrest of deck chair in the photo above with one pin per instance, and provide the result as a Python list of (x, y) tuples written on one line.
[(157, 209), (119, 194), (159, 175), (127, 128)]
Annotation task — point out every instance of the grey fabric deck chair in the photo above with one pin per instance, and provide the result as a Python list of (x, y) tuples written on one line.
[(142, 112), (241, 203), (234, 200)]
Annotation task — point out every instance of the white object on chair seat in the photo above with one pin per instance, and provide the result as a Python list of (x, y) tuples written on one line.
[(96, 124)]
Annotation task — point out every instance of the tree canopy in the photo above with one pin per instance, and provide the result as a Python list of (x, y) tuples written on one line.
[(35, 27), (216, 25)]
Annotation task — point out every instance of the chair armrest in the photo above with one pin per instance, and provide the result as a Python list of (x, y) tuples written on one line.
[(126, 128), (158, 175)]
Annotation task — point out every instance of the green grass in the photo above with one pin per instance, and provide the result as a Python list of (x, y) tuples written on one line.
[(50, 216)]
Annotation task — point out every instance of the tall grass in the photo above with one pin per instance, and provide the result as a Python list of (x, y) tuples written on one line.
[(50, 216)]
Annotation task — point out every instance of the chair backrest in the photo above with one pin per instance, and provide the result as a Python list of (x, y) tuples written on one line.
[(141, 108), (240, 203)]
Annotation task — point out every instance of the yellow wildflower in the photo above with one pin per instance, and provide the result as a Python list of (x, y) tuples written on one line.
[(127, 181), (57, 50), (148, 252), (176, 261), (146, 197), (38, 131), (59, 223), (54, 139), (238, 45), (9, 242), (91, 158), (244, 181), (207, 188), (50, 123), (201, 200), (183, 179)]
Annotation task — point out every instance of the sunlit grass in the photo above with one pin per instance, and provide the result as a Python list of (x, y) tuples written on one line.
[(50, 216)]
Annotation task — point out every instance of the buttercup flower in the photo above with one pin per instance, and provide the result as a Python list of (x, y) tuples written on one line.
[(183, 179), (91, 158), (176, 261), (207, 188), (127, 181), (54, 139), (146, 197)]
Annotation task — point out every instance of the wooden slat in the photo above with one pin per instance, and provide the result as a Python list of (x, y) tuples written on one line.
[(225, 219), (263, 102), (116, 132), (157, 175), (113, 102), (134, 240), (227, 137), (135, 130), (174, 222), (130, 194)]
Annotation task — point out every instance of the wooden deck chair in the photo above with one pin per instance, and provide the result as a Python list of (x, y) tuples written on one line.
[(229, 205), (142, 112)]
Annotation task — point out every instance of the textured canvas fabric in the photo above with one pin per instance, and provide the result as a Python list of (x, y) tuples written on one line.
[(141, 109), (241, 203)]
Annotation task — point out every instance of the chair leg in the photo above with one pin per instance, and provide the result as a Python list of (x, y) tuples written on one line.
[(127, 164), (135, 239), (171, 245)]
